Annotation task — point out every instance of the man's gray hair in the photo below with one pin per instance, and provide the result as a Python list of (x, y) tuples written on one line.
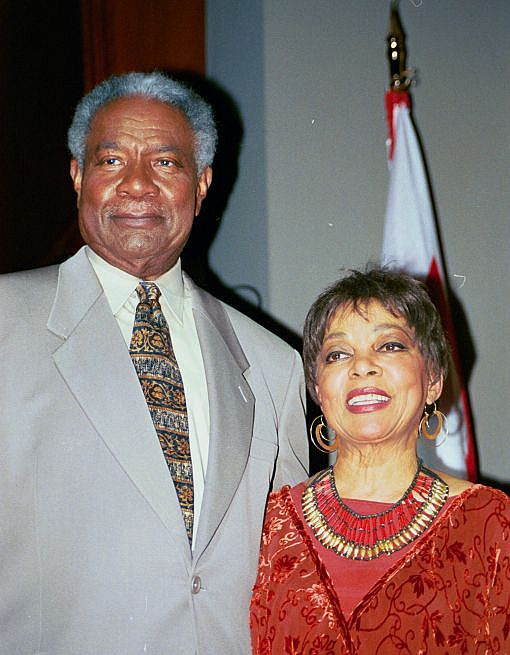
[(153, 86)]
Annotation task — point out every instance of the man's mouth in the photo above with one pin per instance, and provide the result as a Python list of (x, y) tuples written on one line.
[(147, 220), (134, 216)]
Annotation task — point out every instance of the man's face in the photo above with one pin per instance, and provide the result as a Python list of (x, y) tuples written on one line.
[(139, 190)]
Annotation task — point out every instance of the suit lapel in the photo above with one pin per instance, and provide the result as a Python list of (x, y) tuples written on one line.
[(95, 363), (231, 410)]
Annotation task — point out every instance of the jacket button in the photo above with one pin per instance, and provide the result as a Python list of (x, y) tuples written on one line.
[(196, 584)]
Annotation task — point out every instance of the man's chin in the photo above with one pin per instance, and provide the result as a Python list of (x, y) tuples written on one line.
[(141, 259)]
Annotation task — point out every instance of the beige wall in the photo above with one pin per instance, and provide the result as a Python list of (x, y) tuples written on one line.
[(311, 193)]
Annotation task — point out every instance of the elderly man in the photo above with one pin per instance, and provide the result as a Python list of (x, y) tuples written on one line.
[(142, 421)]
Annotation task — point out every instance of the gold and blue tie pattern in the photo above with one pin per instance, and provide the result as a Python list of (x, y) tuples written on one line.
[(158, 371)]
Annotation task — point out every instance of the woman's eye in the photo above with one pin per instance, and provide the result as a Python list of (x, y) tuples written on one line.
[(392, 346), (336, 356)]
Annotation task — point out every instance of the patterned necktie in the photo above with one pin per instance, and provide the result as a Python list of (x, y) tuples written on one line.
[(155, 363)]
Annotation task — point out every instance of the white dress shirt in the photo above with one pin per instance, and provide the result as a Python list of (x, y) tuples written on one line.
[(175, 300)]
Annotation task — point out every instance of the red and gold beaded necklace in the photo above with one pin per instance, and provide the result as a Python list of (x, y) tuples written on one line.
[(367, 536)]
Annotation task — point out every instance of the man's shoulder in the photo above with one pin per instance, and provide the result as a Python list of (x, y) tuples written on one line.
[(243, 323), (36, 281), (31, 273), (28, 282), (246, 329), (28, 295)]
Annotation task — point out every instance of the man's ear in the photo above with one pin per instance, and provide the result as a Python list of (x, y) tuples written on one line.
[(435, 388), (75, 171), (203, 184)]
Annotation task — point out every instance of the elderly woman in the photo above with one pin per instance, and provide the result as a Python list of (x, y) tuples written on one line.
[(378, 554)]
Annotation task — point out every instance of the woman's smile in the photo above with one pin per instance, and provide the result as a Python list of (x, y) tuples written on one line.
[(367, 399)]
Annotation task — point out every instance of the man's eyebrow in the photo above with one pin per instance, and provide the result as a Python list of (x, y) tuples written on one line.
[(166, 148), (113, 145), (106, 145)]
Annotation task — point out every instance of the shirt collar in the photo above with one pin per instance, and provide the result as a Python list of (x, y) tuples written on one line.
[(120, 287)]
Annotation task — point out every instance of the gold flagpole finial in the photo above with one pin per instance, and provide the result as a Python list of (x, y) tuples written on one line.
[(400, 76)]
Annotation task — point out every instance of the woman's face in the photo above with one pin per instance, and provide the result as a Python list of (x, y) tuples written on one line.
[(372, 381)]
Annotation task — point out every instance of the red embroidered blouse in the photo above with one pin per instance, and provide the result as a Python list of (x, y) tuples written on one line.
[(448, 592)]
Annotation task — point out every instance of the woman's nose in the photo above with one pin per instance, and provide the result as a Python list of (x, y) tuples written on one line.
[(364, 365)]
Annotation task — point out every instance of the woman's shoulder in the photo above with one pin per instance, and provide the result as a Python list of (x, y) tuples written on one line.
[(456, 486), (282, 517), (280, 498), (288, 499), (475, 511), (296, 490), (461, 487)]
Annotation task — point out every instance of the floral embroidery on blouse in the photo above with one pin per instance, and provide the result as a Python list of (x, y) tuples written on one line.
[(450, 593)]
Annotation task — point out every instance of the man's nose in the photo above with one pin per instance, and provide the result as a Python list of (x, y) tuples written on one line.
[(137, 181)]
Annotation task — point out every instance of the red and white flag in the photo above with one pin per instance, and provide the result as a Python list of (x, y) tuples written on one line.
[(411, 243)]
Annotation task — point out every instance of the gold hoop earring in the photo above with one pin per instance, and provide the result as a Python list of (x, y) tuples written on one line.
[(432, 434), (322, 443)]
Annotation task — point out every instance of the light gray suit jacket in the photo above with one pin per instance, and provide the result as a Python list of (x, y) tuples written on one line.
[(94, 558)]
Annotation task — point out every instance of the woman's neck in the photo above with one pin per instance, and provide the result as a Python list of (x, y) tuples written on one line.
[(374, 472)]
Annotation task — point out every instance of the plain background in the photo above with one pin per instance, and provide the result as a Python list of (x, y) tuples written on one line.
[(309, 81)]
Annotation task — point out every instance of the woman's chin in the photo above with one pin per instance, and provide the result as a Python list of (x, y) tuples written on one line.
[(375, 436)]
